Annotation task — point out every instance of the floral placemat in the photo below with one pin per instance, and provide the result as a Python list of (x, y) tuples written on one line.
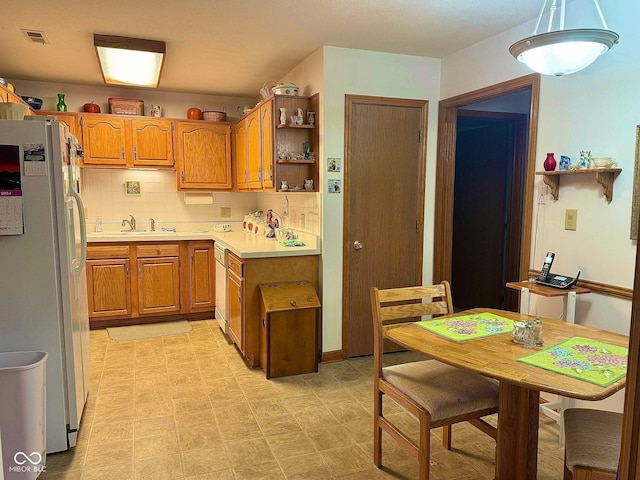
[(583, 358), (468, 327)]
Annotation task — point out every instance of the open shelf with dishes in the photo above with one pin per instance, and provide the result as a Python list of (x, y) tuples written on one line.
[(295, 145), (603, 176)]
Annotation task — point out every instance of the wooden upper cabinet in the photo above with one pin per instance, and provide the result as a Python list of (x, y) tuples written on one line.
[(266, 131), (152, 142), (104, 140), (203, 153), (254, 154), (70, 118), (4, 94), (240, 156)]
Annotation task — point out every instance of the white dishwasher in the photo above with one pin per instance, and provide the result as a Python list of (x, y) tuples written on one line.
[(221, 253)]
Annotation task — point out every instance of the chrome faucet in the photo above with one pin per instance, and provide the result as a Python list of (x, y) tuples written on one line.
[(153, 224), (132, 223)]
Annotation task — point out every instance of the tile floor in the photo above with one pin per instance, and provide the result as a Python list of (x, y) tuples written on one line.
[(186, 406)]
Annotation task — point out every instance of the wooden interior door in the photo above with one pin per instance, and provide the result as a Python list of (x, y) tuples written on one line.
[(384, 205)]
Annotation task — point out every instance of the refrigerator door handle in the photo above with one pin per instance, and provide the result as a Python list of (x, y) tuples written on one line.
[(83, 231)]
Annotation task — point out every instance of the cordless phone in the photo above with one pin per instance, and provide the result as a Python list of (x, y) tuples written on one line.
[(551, 280), (546, 267)]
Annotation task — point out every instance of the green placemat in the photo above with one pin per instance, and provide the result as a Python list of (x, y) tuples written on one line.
[(583, 358), (468, 327)]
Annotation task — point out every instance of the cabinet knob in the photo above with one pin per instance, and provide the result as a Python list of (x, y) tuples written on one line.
[(357, 245), (158, 251), (293, 303)]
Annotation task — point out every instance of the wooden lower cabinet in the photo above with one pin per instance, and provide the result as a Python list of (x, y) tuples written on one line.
[(201, 276), (109, 289), (168, 280), (236, 300), (244, 294)]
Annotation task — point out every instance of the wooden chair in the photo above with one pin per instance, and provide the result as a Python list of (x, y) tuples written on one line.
[(592, 444), (438, 395)]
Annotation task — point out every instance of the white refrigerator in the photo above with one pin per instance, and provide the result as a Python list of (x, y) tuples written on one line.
[(43, 291)]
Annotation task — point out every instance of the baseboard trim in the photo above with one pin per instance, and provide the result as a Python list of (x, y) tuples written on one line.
[(334, 356)]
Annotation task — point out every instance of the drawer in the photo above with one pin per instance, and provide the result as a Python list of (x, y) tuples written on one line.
[(235, 264), (110, 251), (150, 251)]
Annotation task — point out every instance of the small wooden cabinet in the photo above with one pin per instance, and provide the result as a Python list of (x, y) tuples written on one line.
[(289, 329), (236, 300), (203, 153), (201, 276), (71, 119), (104, 140), (108, 281), (117, 141), (240, 156), (158, 279)]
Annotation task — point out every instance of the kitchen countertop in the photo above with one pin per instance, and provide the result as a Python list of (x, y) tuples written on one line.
[(241, 243)]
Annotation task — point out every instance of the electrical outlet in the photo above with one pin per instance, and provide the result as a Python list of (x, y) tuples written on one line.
[(86, 213), (570, 219), (225, 212), (542, 193)]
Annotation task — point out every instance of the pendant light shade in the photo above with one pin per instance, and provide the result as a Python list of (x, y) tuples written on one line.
[(130, 61), (562, 52)]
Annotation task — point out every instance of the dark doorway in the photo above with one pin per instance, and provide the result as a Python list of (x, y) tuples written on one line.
[(487, 211)]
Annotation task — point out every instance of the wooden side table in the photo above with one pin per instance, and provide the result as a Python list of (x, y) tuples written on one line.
[(553, 410)]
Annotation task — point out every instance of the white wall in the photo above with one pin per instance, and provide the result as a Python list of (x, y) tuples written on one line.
[(345, 71), (596, 109)]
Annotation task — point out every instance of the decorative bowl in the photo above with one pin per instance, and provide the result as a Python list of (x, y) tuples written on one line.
[(33, 102), (13, 111), (603, 162), (221, 227)]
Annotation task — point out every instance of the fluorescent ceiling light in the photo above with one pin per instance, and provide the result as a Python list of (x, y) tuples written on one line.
[(130, 61), (561, 52)]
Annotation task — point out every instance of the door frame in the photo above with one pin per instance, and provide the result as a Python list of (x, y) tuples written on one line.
[(445, 170), (350, 100)]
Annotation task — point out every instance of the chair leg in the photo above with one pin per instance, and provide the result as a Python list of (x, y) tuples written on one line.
[(424, 455), (377, 431), (446, 437)]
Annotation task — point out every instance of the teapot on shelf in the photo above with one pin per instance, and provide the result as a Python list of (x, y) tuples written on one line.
[(300, 117)]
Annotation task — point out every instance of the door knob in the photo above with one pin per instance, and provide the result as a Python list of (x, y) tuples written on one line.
[(357, 245)]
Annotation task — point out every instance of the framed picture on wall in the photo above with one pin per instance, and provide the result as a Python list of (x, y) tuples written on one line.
[(635, 199)]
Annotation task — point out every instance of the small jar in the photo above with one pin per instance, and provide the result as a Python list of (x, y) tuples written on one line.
[(537, 332), (528, 340)]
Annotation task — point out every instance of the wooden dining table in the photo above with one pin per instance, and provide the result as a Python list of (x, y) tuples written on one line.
[(520, 384)]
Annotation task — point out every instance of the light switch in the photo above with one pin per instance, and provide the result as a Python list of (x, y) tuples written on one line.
[(570, 219)]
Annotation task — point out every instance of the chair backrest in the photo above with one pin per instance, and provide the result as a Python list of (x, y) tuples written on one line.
[(395, 306)]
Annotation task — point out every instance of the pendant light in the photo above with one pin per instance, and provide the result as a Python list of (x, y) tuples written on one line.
[(561, 51)]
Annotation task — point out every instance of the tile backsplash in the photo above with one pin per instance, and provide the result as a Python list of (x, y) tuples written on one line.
[(104, 194)]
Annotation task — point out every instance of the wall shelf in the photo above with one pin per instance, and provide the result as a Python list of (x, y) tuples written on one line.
[(604, 176), (305, 125)]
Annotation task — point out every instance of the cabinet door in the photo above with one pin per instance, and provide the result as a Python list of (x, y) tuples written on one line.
[(266, 131), (254, 153), (158, 285), (235, 286), (71, 119), (201, 282), (241, 155), (109, 289), (204, 156), (4, 94), (104, 140), (152, 142)]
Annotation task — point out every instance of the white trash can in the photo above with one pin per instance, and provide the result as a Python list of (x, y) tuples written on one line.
[(22, 414)]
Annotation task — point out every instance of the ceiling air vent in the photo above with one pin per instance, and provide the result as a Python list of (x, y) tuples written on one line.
[(36, 36)]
